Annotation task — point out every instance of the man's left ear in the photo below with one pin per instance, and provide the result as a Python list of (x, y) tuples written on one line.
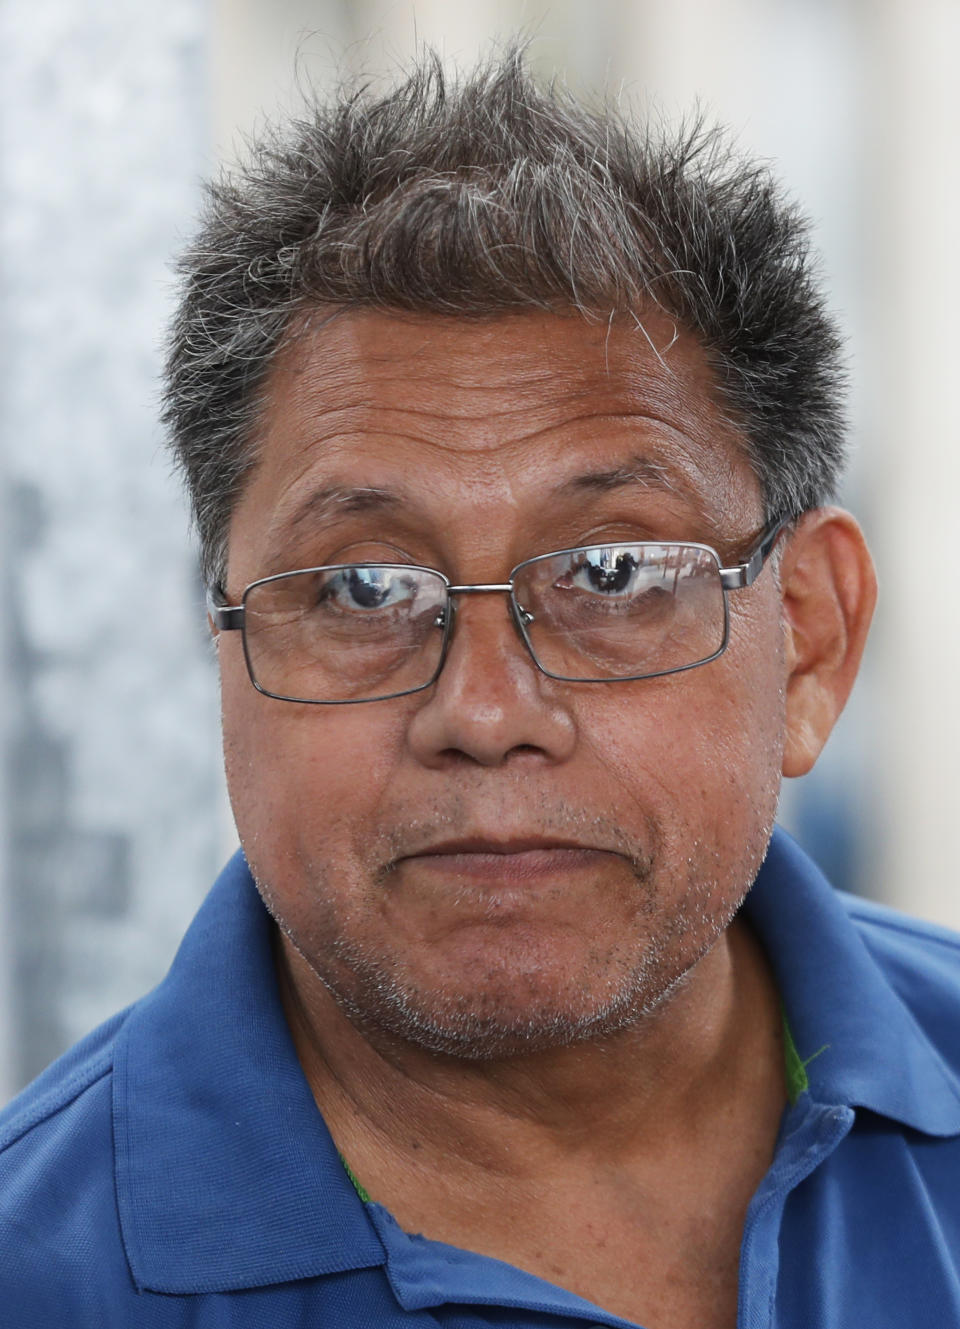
[(829, 589)]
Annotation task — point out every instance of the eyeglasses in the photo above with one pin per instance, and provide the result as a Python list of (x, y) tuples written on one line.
[(358, 632)]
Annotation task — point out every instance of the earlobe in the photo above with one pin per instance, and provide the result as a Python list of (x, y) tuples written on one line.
[(829, 591)]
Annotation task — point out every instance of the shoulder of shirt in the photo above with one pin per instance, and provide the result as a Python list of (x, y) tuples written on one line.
[(63, 1082), (62, 1261), (921, 962), (882, 924)]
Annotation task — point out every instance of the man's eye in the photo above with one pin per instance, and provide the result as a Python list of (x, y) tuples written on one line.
[(359, 589), (609, 572)]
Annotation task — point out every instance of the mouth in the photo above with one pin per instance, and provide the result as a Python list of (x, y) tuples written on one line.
[(514, 860), (492, 845)]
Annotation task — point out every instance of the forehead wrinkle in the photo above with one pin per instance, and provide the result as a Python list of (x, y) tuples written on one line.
[(367, 413), (349, 369), (364, 384), (505, 388), (341, 425), (566, 403)]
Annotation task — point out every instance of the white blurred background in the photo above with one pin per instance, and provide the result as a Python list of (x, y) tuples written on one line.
[(114, 817)]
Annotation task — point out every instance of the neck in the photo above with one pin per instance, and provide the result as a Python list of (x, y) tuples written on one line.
[(710, 1052)]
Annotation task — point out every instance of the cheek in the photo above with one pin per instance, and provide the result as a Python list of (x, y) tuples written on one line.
[(742, 727), (704, 745), (301, 775)]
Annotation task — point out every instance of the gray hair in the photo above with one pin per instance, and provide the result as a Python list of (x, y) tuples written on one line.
[(490, 195)]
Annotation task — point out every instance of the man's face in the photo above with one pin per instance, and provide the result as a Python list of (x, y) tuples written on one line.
[(503, 860)]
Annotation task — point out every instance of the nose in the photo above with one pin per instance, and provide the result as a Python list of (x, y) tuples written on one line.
[(491, 704)]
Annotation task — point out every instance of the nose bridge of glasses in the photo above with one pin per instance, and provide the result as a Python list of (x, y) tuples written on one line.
[(519, 616), (481, 588)]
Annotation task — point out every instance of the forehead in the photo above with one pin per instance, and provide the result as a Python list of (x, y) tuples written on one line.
[(480, 413)]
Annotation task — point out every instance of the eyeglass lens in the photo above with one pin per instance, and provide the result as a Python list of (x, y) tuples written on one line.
[(368, 631), (618, 611), (345, 633)]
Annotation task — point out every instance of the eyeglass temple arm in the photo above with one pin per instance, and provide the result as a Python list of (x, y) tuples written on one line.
[(745, 573), (224, 617)]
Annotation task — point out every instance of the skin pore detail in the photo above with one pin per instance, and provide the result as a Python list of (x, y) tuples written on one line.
[(504, 903)]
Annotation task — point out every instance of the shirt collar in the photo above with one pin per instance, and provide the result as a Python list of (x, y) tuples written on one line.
[(227, 1177), (861, 1041)]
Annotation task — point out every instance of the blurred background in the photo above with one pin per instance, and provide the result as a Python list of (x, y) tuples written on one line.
[(114, 818)]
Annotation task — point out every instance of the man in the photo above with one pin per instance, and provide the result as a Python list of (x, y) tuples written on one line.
[(510, 435)]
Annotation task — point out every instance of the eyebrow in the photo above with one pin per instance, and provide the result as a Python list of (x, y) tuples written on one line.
[(335, 500), (330, 501), (636, 470)]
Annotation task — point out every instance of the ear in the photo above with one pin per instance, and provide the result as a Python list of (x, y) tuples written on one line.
[(829, 590)]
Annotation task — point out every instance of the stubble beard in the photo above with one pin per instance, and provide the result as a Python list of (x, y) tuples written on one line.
[(378, 995)]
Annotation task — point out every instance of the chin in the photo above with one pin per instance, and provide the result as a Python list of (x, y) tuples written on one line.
[(511, 1015)]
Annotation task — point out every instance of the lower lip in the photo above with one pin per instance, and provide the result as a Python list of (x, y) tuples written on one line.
[(528, 865)]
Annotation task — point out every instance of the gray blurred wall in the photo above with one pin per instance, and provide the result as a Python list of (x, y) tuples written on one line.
[(112, 793)]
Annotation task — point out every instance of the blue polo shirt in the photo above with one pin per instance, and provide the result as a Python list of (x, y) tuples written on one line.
[(173, 1170)]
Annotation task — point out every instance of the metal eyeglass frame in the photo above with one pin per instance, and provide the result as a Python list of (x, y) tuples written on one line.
[(230, 618)]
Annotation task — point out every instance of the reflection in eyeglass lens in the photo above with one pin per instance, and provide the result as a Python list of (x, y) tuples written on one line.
[(617, 611), (346, 632), (362, 631)]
